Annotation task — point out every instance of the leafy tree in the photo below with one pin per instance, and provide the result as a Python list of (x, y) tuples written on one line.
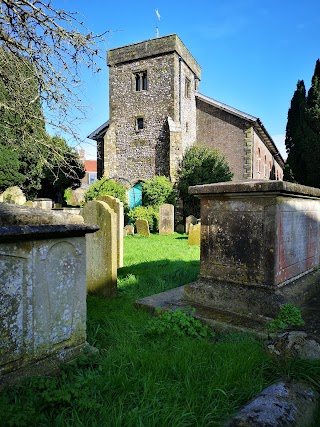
[(107, 187), (295, 135), (200, 165), (312, 177), (56, 174), (149, 213), (9, 169), (42, 51), (157, 191), (303, 133)]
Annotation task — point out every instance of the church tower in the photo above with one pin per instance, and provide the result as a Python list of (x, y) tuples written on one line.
[(152, 101)]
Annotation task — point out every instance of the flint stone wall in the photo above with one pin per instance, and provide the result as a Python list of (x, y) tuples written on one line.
[(259, 246), (42, 297)]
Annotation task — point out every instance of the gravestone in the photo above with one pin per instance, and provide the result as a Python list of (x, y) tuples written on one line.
[(117, 206), (190, 220), (101, 249), (77, 197), (129, 230), (194, 235), (14, 195), (142, 227), (180, 228), (43, 203), (166, 219)]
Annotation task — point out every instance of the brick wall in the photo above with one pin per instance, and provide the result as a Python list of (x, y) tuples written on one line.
[(219, 129)]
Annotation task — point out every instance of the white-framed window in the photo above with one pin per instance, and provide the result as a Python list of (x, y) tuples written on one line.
[(259, 161), (92, 177), (265, 167)]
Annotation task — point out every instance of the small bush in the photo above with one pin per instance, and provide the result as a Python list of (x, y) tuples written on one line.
[(107, 187), (146, 212), (179, 323), (158, 191), (289, 315)]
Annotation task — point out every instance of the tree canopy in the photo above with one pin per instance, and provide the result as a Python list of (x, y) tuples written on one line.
[(42, 53), (200, 165), (303, 133)]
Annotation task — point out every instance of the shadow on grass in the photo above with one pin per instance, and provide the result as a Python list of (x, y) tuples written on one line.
[(148, 278)]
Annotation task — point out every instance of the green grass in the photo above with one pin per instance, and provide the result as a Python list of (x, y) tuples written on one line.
[(142, 380)]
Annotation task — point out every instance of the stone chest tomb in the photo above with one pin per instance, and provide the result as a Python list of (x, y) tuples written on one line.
[(42, 292), (259, 246)]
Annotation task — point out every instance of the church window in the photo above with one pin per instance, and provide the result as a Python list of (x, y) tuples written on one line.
[(187, 88), (140, 81), (265, 167), (139, 123), (187, 127), (259, 160)]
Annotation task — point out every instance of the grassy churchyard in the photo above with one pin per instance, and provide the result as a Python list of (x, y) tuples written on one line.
[(150, 379)]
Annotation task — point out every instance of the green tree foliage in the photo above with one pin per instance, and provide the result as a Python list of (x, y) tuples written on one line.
[(303, 134), (149, 213), (9, 169), (157, 191), (56, 173), (52, 45), (107, 187), (200, 165), (295, 136)]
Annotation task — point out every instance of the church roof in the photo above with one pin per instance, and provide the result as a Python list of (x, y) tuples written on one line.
[(255, 121), (99, 133)]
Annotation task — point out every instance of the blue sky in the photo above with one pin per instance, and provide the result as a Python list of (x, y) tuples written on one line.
[(251, 53)]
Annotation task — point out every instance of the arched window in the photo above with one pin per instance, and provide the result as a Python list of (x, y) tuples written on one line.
[(265, 167)]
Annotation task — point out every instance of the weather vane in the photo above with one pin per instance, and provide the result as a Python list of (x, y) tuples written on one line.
[(157, 29)]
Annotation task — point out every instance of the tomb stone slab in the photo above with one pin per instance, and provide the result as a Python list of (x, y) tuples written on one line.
[(117, 206), (142, 227), (101, 249), (190, 220), (166, 219), (194, 235)]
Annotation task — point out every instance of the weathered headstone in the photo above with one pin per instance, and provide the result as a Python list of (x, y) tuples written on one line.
[(77, 197), (101, 249), (43, 203), (194, 235), (166, 219), (190, 220), (180, 228), (14, 195), (142, 227), (117, 206), (129, 230)]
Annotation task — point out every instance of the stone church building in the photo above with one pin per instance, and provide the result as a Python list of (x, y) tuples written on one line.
[(156, 112)]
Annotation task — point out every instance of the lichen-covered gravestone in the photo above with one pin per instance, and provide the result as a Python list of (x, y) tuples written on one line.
[(166, 219), (190, 220), (101, 249), (142, 227), (117, 206), (128, 230), (194, 235)]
